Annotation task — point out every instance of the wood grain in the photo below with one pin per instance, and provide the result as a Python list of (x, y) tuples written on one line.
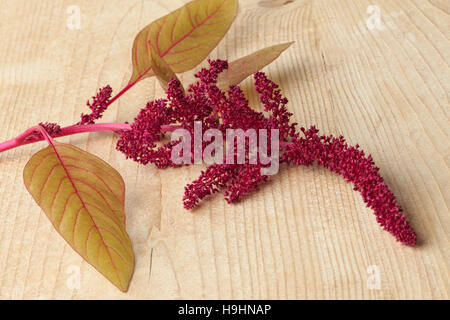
[(305, 234)]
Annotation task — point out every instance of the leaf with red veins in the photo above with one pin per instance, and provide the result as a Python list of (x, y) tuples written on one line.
[(83, 197), (161, 69), (184, 37)]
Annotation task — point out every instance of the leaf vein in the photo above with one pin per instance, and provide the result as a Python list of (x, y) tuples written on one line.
[(100, 178), (46, 180), (76, 190)]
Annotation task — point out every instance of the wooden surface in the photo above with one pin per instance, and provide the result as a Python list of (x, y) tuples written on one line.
[(304, 235)]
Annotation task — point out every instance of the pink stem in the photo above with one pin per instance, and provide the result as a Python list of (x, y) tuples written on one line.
[(94, 128), (74, 129), (20, 140), (44, 133), (129, 86)]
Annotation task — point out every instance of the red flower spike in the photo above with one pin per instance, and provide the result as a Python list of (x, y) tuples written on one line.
[(211, 180), (99, 104), (214, 108), (247, 118), (139, 143), (247, 180), (350, 162), (270, 96)]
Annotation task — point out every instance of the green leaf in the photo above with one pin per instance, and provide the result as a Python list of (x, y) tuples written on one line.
[(161, 69), (240, 69), (83, 197), (184, 37)]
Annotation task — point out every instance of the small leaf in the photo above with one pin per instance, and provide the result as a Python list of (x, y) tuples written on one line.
[(161, 69), (240, 69), (184, 37), (83, 197)]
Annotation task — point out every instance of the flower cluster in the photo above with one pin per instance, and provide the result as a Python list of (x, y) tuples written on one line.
[(351, 163), (53, 129), (98, 105), (178, 110), (204, 101)]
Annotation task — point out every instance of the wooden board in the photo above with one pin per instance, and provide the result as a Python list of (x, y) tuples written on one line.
[(383, 83)]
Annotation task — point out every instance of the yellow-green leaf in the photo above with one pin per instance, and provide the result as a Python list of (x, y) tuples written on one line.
[(83, 197), (240, 69), (161, 69), (184, 37)]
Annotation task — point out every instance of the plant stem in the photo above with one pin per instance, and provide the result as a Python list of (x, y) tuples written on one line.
[(74, 129), (44, 133), (67, 131), (128, 86)]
